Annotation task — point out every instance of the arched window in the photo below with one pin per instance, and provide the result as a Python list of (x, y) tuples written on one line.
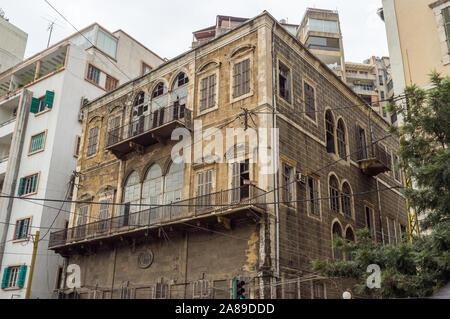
[(334, 194), (337, 233), (152, 189), (181, 80), (139, 99), (179, 96), (159, 90), (131, 198), (331, 148), (341, 139), (349, 237), (346, 202)]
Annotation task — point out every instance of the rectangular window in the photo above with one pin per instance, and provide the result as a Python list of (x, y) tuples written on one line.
[(107, 43), (369, 220), (76, 151), (201, 289), (22, 229), (361, 142), (446, 20), (14, 277), (114, 131), (208, 92), (111, 83), (103, 216), (146, 68), (59, 278), (204, 189), (288, 185), (313, 196), (322, 43), (161, 291), (284, 82), (93, 74), (28, 185), (92, 141), (391, 229), (241, 78), (318, 290), (37, 143), (380, 78), (310, 102)]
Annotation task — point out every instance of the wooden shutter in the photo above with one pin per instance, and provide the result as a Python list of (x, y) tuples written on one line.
[(34, 108), (237, 80), (6, 274), (22, 276), (212, 91), (246, 77), (204, 94), (49, 97), (19, 227)]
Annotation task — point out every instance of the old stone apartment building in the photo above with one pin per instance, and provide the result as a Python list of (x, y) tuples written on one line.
[(144, 226)]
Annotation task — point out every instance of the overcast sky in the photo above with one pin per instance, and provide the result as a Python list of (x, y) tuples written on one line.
[(166, 26)]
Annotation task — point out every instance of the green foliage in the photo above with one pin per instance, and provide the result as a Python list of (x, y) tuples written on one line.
[(419, 268)]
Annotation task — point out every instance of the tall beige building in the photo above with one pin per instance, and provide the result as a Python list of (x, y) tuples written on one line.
[(418, 34), (320, 32)]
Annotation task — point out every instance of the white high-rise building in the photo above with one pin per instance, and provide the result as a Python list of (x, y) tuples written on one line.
[(13, 42), (40, 130)]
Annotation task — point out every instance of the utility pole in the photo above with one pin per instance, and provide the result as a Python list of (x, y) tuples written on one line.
[(33, 260)]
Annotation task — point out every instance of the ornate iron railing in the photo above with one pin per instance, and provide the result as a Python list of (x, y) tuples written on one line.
[(157, 118), (246, 195)]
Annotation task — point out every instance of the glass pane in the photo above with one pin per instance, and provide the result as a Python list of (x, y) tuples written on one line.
[(106, 43)]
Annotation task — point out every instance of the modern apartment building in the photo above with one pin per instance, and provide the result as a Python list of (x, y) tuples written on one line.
[(415, 52), (320, 32), (148, 226), (372, 81), (40, 131), (13, 42)]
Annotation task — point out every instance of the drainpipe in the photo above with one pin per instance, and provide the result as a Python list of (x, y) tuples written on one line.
[(275, 156)]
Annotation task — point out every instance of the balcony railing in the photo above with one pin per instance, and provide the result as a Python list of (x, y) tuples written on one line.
[(374, 160), (147, 129), (219, 202)]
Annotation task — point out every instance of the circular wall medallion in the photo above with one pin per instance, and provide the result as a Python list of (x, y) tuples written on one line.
[(145, 259)]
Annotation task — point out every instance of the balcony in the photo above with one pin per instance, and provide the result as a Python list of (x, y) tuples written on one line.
[(225, 206), (7, 127), (147, 130), (374, 160)]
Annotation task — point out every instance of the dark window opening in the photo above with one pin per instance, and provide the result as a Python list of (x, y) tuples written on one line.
[(284, 82)]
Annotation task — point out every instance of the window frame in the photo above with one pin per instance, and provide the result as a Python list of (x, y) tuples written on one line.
[(204, 75), (43, 143), (37, 184), (291, 190), (28, 237), (283, 62), (90, 155), (77, 146), (332, 133), (339, 142), (313, 85), (350, 200), (333, 197), (309, 199), (234, 61), (372, 229)]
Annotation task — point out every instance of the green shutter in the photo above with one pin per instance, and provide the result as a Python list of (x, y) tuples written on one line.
[(34, 105), (49, 97), (22, 186), (19, 228), (34, 183), (37, 142), (5, 280), (22, 276)]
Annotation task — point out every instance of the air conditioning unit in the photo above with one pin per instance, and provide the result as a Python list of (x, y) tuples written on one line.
[(301, 178)]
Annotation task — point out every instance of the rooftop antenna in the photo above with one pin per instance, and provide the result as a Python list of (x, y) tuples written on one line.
[(51, 26)]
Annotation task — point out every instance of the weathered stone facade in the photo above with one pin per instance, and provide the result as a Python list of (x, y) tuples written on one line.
[(197, 250)]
